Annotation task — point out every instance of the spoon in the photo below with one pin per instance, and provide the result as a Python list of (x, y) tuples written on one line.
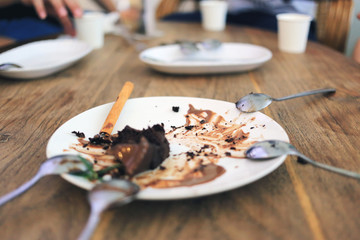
[(274, 148), (190, 48), (53, 166), (210, 44), (123, 31), (7, 66), (257, 101), (104, 195)]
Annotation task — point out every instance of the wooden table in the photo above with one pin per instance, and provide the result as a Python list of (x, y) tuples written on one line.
[(294, 202)]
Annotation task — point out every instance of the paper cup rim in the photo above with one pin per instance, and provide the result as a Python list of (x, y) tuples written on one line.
[(91, 16), (212, 2), (293, 17)]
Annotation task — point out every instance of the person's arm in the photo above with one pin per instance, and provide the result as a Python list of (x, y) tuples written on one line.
[(108, 5), (130, 14), (59, 6), (356, 52)]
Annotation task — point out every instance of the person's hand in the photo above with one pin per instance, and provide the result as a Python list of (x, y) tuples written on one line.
[(130, 17), (57, 8), (131, 14)]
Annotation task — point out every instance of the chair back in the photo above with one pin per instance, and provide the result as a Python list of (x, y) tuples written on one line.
[(167, 7), (333, 22)]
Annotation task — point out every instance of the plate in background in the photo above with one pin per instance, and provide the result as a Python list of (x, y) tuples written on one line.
[(230, 57), (43, 58)]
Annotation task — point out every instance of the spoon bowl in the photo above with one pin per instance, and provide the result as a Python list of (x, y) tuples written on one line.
[(53, 166), (270, 149), (189, 48), (257, 101), (253, 102), (210, 44), (105, 195)]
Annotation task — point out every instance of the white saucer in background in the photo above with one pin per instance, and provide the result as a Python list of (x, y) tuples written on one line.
[(43, 58), (230, 57)]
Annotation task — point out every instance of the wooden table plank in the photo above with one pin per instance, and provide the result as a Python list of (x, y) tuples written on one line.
[(294, 202)]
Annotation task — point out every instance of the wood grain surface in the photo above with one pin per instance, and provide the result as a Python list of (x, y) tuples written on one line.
[(294, 202)]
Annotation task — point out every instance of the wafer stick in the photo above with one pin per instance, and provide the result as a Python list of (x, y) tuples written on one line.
[(116, 108)]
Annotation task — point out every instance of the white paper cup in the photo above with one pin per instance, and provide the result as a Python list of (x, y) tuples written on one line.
[(90, 29), (293, 31), (213, 15)]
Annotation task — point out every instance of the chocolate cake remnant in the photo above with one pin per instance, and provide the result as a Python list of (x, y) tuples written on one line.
[(140, 150), (137, 150)]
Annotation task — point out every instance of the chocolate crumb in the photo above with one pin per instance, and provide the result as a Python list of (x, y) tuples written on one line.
[(175, 109), (301, 161), (189, 127), (202, 121), (228, 154), (79, 134), (162, 167), (190, 154)]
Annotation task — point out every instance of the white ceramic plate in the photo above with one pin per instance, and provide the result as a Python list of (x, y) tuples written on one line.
[(43, 58), (230, 57), (143, 112)]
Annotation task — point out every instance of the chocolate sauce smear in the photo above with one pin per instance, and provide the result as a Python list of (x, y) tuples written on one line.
[(207, 137), (197, 147)]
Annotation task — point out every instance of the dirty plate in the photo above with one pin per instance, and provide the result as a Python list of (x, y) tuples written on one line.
[(239, 172)]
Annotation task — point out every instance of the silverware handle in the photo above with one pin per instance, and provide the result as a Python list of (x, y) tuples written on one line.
[(330, 168), (91, 225), (130, 39), (4, 199), (6, 66), (302, 94)]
